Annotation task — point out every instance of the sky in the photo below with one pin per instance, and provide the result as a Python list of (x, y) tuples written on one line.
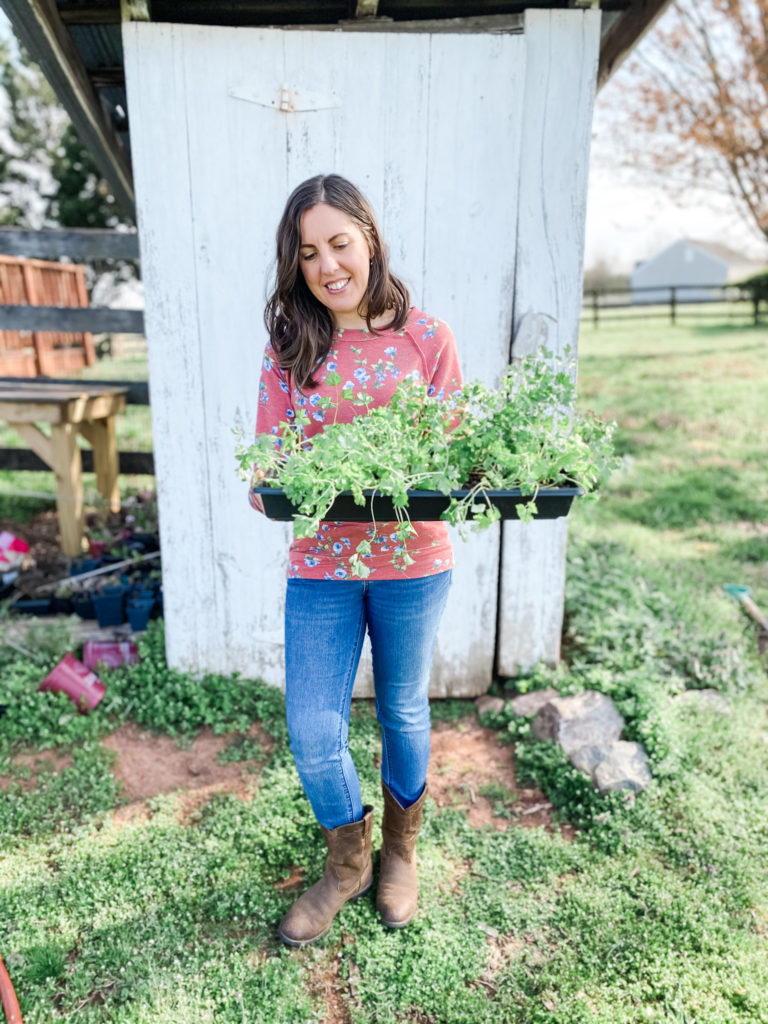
[(627, 222), (630, 221)]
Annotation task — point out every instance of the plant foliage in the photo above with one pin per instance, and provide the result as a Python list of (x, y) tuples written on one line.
[(522, 435)]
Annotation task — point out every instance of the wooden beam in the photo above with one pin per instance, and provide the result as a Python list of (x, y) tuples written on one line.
[(83, 244), (367, 8), (492, 23), (134, 10), (130, 463), (37, 440), (95, 319), (625, 33), (39, 27), (106, 78)]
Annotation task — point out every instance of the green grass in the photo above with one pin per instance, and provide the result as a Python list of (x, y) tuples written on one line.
[(656, 911)]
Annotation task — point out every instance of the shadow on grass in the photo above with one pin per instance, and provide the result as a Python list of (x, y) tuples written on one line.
[(717, 494)]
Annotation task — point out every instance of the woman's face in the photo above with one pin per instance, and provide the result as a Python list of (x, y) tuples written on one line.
[(335, 259)]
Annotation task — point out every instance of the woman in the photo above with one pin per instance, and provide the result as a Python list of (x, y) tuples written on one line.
[(341, 327)]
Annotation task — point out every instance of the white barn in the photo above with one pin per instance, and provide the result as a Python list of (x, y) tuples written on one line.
[(697, 269), (467, 125)]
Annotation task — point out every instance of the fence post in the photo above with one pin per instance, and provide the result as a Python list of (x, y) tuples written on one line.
[(673, 304), (595, 308), (756, 307)]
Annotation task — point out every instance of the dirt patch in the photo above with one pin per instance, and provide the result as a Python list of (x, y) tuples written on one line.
[(325, 983), (33, 765), (149, 765), (471, 770)]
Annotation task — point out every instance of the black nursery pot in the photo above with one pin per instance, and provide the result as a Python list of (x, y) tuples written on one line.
[(33, 606), (423, 506)]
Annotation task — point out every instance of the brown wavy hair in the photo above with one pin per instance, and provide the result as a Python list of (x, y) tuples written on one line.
[(300, 327)]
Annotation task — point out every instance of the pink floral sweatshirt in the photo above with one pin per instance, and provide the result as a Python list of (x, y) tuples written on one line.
[(376, 363)]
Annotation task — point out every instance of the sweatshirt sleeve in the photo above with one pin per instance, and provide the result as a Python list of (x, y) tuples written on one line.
[(446, 375), (275, 406)]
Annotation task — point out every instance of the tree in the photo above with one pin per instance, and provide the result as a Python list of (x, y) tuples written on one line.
[(83, 198), (31, 125), (693, 101), (47, 178)]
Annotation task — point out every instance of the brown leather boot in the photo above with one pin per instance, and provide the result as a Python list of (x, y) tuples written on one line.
[(348, 875), (398, 891)]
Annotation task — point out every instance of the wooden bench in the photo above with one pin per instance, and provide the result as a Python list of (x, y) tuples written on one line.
[(68, 409)]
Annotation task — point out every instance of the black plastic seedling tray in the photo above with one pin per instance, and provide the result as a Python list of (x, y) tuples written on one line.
[(423, 506)]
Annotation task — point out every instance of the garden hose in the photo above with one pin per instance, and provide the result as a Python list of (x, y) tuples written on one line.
[(8, 997), (741, 594)]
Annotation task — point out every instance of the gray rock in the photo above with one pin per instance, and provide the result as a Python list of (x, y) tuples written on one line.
[(585, 719), (488, 703), (586, 759), (625, 766), (705, 700), (529, 703)]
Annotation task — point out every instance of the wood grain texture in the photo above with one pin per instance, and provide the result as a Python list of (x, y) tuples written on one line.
[(562, 53)]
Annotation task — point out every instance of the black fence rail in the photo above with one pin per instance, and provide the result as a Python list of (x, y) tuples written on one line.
[(83, 246), (668, 302)]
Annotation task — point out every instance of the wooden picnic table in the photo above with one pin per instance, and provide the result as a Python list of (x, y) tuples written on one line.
[(71, 408)]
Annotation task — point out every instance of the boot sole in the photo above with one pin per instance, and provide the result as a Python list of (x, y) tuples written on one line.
[(300, 943)]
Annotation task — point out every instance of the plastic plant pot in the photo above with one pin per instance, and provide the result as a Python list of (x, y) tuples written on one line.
[(139, 613), (108, 606), (147, 540), (110, 653), (81, 565), (61, 605), (423, 506), (33, 606), (79, 683), (83, 606)]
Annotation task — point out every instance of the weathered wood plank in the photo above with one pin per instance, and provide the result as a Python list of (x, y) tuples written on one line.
[(82, 245), (562, 53), (95, 319), (470, 226), (136, 391), (174, 253)]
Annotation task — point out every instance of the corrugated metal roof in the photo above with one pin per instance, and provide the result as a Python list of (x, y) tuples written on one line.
[(99, 46)]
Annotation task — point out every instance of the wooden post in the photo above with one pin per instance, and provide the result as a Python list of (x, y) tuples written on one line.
[(595, 308), (69, 486), (673, 305), (100, 434), (61, 453)]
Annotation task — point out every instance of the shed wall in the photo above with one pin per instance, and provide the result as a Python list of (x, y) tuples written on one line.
[(430, 126)]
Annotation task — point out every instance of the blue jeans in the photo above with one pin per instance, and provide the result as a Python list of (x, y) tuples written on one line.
[(325, 625)]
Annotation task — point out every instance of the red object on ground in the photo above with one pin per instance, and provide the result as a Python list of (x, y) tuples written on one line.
[(96, 548), (78, 682), (110, 653), (10, 1002)]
